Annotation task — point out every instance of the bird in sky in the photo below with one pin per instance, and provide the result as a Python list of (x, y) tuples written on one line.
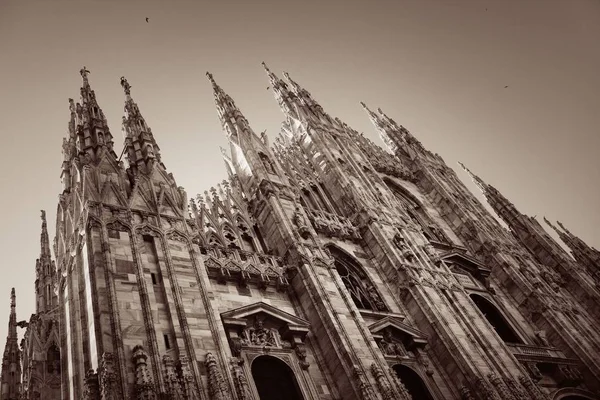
[(147, 19), (505, 86)]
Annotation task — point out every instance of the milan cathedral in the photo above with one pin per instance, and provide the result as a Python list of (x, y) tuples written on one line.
[(325, 267)]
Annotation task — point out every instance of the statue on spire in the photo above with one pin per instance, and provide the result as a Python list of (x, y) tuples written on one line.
[(84, 74), (126, 86)]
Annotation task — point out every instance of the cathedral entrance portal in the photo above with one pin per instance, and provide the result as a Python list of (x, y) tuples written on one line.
[(274, 380), (413, 382)]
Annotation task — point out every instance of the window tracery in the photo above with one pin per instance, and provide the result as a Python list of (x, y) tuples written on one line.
[(363, 292)]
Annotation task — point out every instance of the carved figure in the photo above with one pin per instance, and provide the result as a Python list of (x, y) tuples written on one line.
[(260, 336)]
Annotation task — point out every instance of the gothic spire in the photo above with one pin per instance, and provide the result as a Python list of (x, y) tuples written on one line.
[(10, 378), (232, 119), (477, 180), (88, 133), (88, 114), (142, 156), (45, 273), (583, 253), (12, 321), (382, 128), (286, 99), (501, 205), (308, 103), (44, 239)]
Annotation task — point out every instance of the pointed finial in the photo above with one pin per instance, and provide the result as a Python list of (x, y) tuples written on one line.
[(563, 227), (265, 67), (477, 180), (210, 78), (13, 298), (84, 74), (126, 86), (43, 216)]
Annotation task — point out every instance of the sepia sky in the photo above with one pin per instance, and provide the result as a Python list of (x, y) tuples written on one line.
[(439, 67)]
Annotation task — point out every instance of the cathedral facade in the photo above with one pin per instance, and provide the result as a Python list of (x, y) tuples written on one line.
[(325, 268)]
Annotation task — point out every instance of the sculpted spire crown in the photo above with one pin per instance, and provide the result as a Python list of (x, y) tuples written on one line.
[(84, 74), (45, 240), (231, 117), (126, 86)]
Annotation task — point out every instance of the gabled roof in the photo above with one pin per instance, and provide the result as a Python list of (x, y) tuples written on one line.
[(416, 336), (261, 307), (469, 263)]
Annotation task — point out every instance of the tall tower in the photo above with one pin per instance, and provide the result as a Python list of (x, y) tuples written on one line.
[(10, 378)]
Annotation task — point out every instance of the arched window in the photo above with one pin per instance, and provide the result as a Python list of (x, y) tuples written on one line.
[(274, 379), (362, 291), (413, 382), (496, 319), (53, 360)]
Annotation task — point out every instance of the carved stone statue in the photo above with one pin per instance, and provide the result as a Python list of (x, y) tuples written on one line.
[(258, 335)]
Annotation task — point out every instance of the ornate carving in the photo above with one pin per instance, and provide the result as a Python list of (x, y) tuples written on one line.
[(241, 383), (144, 386), (300, 349), (302, 223), (384, 386), (375, 298), (400, 243), (171, 379), (534, 392), (389, 347), (400, 388), (187, 385), (533, 371), (91, 388), (258, 335), (501, 387), (217, 387), (423, 360), (108, 378), (465, 393)]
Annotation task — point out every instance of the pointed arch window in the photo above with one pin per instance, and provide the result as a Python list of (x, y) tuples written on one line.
[(496, 319), (363, 292)]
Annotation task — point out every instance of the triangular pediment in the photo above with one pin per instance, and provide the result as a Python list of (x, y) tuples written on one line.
[(402, 329), (247, 312), (466, 263)]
